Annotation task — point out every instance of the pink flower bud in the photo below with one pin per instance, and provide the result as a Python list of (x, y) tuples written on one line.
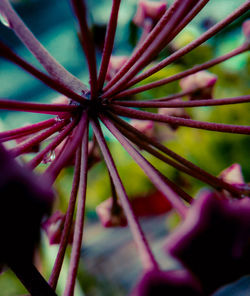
[(200, 83), (54, 228), (144, 126), (149, 10), (176, 112), (233, 175), (115, 64), (246, 30), (110, 214)]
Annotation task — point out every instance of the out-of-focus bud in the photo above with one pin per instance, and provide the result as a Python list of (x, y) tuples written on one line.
[(53, 227), (201, 84), (115, 64), (233, 175), (176, 112), (149, 10), (144, 126), (111, 214), (246, 30)]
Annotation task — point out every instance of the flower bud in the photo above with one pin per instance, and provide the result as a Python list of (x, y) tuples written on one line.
[(115, 64), (201, 84)]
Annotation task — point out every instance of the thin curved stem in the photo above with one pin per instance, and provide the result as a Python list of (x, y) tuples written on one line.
[(67, 224), (144, 250), (52, 83), (209, 179), (144, 55), (195, 69), (210, 126), (54, 69), (186, 104), (78, 233), (109, 43), (28, 129), (26, 145), (87, 43), (40, 156), (155, 176), (192, 45), (54, 109)]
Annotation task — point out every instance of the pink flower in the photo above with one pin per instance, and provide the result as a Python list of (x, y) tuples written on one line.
[(246, 30), (149, 10), (201, 84), (115, 64), (144, 126), (53, 227)]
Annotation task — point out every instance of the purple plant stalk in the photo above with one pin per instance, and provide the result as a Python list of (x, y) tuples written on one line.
[(108, 103)]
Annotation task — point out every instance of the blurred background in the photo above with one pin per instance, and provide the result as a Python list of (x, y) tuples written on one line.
[(109, 265)]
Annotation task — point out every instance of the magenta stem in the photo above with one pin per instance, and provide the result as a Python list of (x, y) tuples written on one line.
[(36, 107), (11, 56), (28, 129), (109, 43), (175, 14), (155, 176), (183, 74), (78, 233), (67, 224), (26, 145), (144, 250), (203, 175), (192, 45), (210, 126), (181, 104), (69, 150), (87, 43), (54, 69), (40, 156)]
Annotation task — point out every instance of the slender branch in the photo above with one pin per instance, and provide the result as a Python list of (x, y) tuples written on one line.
[(155, 176), (31, 128), (77, 240), (36, 107), (210, 126), (183, 74), (40, 156), (87, 43), (24, 146), (55, 70), (144, 250), (192, 45), (31, 278), (209, 179), (109, 42), (142, 145), (59, 163), (67, 224), (141, 49), (181, 104), (175, 14), (56, 85)]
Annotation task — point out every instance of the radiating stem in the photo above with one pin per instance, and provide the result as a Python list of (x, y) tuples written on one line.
[(155, 176), (192, 45), (183, 74), (87, 43), (55, 70), (55, 109), (77, 240), (26, 145), (109, 43), (144, 250), (174, 14), (60, 162), (209, 179), (39, 157), (210, 126), (56, 85), (31, 128), (186, 104)]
